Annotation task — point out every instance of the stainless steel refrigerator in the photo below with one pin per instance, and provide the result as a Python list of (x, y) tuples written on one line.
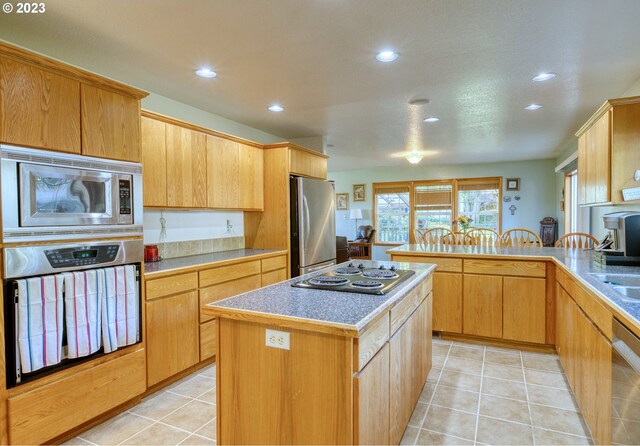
[(313, 225)]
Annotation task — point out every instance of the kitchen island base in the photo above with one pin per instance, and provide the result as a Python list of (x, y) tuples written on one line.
[(319, 386)]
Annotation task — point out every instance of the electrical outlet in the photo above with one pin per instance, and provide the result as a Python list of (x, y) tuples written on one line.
[(229, 226), (277, 339), (636, 176)]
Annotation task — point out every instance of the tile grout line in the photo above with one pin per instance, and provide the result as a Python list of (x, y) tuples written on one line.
[(526, 392), (475, 435)]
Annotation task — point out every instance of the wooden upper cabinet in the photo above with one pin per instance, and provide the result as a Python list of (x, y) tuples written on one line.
[(154, 162), (251, 177), (110, 124), (608, 154), (38, 108), (186, 167), (306, 163), (223, 173)]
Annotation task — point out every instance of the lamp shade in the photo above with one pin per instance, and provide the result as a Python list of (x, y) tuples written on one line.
[(355, 213)]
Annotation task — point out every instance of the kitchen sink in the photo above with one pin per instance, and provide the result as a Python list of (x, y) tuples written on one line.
[(619, 280), (630, 292)]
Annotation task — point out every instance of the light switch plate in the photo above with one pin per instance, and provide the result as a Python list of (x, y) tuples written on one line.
[(277, 339)]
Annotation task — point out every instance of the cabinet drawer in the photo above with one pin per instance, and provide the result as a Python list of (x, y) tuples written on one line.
[(274, 263), (208, 333), (274, 277), (445, 264), (227, 289), (49, 411), (403, 309), (600, 316), (226, 273), (505, 267), (372, 340), (171, 285)]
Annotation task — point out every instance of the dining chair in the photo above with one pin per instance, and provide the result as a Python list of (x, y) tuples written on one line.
[(577, 240), (520, 238), (434, 236), (457, 238), (484, 237)]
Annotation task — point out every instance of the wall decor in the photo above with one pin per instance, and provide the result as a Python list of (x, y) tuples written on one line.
[(512, 184), (342, 202), (513, 208), (359, 192), (507, 199), (517, 198)]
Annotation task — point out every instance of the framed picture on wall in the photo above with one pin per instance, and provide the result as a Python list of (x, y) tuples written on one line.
[(359, 192), (342, 202), (513, 184)]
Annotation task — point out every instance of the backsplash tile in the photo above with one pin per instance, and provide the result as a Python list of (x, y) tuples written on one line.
[(170, 250)]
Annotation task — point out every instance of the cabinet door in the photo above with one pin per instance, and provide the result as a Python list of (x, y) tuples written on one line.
[(251, 177), (110, 124), (223, 173), (154, 162), (565, 332), (593, 378), (482, 305), (172, 336), (447, 302), (408, 369), (38, 108), (582, 169), (186, 168), (371, 400), (524, 309), (601, 159)]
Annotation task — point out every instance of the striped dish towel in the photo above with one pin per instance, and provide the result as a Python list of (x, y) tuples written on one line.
[(83, 313), (127, 305), (108, 302), (40, 309)]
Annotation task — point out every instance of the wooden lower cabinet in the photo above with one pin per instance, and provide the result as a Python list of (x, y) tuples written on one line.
[(409, 365), (447, 302), (371, 401), (272, 277), (208, 334), (482, 305), (172, 336), (524, 309), (585, 355), (42, 414)]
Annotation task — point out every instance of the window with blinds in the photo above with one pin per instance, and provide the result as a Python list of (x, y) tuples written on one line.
[(433, 205), (392, 213), (479, 199)]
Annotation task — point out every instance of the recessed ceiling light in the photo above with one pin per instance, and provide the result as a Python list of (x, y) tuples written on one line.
[(206, 72), (533, 107), (431, 119), (276, 108), (387, 56), (543, 77), (414, 157), (421, 101)]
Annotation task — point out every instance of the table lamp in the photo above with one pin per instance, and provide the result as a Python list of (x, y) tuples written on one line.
[(356, 214)]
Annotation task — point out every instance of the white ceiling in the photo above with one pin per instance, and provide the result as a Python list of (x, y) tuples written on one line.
[(473, 59)]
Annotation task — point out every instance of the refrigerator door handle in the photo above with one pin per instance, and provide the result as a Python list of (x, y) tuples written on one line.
[(307, 224)]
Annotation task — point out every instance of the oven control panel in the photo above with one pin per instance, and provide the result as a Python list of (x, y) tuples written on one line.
[(81, 256), (124, 187)]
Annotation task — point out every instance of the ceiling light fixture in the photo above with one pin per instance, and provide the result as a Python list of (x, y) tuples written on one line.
[(533, 107), (431, 119), (420, 101), (543, 77), (387, 56), (277, 108), (414, 157), (206, 72)]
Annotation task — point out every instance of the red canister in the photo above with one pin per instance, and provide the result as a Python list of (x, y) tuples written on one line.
[(151, 253)]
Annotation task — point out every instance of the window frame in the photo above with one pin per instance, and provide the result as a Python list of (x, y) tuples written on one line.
[(412, 209)]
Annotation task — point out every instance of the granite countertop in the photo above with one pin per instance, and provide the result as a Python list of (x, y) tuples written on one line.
[(189, 262), (576, 261), (349, 312)]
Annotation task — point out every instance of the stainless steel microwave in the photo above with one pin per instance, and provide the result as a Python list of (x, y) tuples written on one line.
[(56, 196)]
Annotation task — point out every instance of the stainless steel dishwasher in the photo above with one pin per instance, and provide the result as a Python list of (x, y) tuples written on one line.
[(625, 402)]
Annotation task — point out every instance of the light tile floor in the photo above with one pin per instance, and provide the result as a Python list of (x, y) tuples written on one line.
[(489, 395), (183, 413), (474, 395)]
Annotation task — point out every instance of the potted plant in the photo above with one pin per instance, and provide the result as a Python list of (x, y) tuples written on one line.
[(463, 222)]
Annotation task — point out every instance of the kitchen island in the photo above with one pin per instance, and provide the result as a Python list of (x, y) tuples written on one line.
[(309, 366)]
